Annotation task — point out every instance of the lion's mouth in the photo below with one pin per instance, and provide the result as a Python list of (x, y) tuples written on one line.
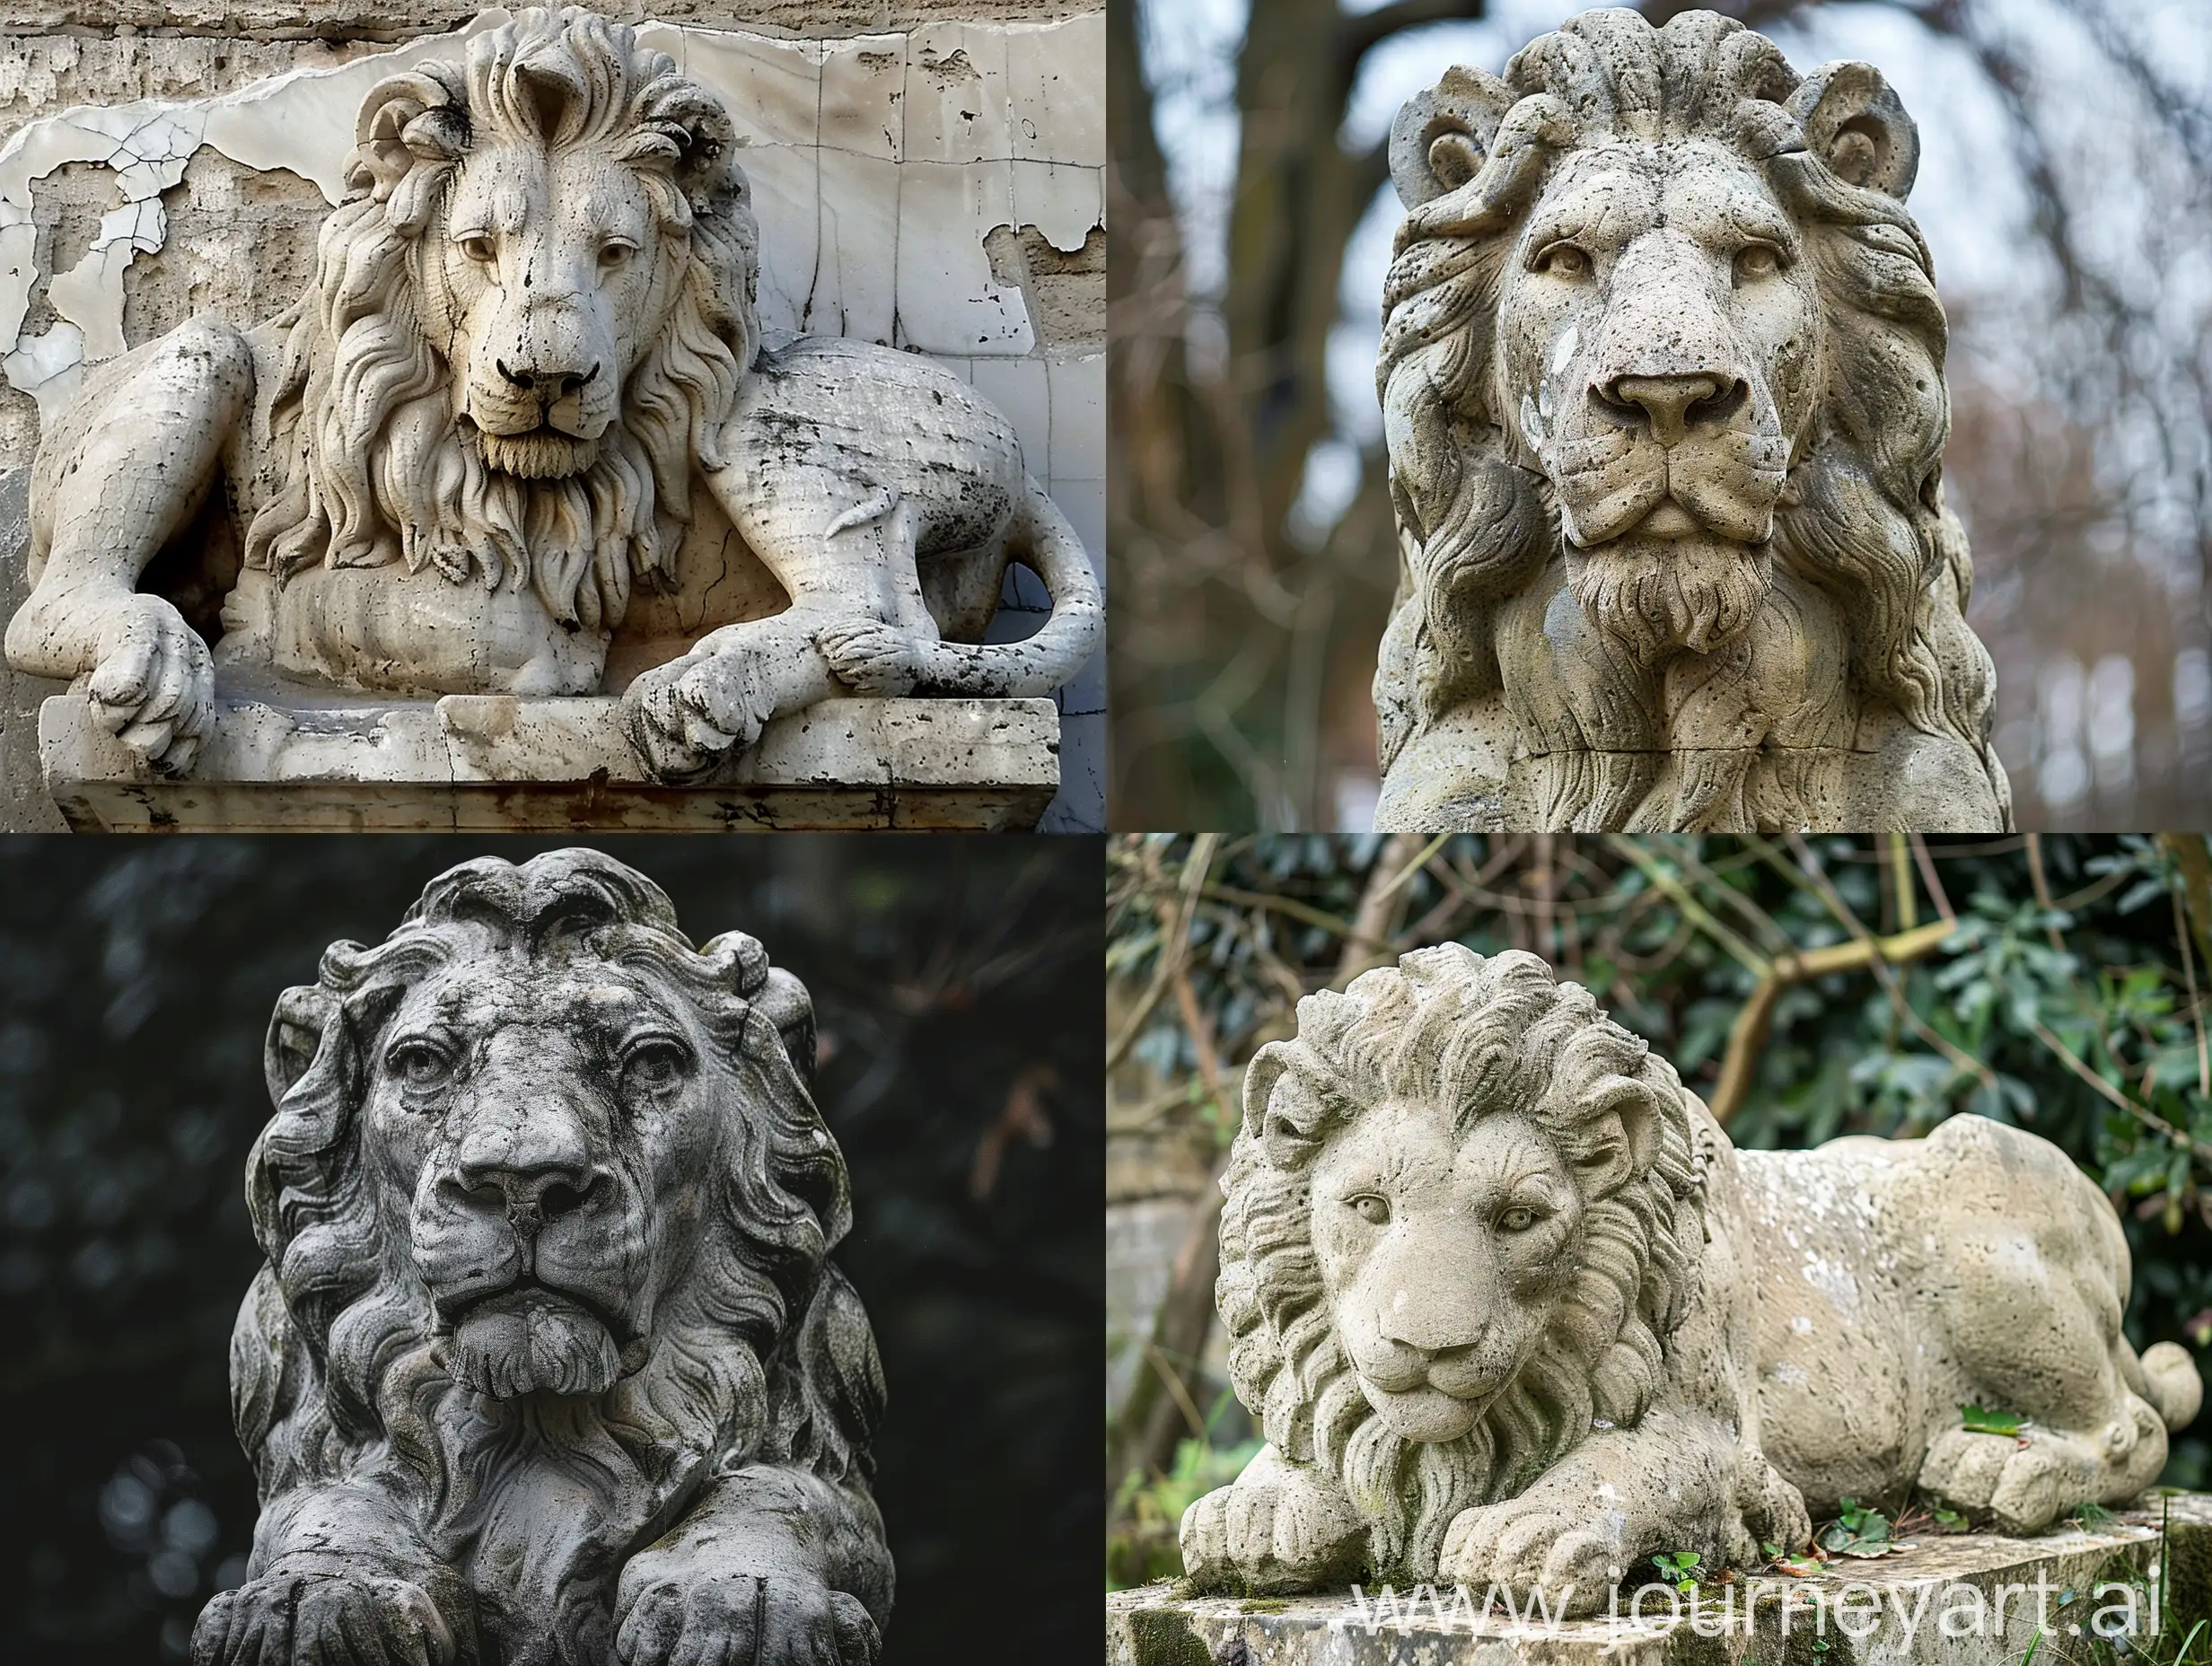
[(540, 453), (1428, 1412), (529, 1337)]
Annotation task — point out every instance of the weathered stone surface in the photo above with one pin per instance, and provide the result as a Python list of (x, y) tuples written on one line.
[(486, 762), (1662, 376), (1893, 1612), (548, 1210), (727, 526), (1511, 1309), (357, 19)]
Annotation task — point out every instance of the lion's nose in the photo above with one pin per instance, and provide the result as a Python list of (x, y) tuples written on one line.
[(547, 384), (1669, 404), (529, 1199), (532, 1173)]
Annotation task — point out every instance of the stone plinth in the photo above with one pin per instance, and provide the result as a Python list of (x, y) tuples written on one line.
[(1155, 1627), (499, 762)]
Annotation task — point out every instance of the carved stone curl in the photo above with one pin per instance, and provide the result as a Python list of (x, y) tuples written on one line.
[(548, 1361), (1662, 375), (1511, 1309), (470, 455)]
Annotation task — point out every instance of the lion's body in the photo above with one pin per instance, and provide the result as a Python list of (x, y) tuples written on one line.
[(1663, 1345), (1898, 1280), (549, 1366), (1662, 380), (521, 437)]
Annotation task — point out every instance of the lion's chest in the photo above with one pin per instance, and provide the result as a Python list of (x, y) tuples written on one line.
[(390, 631)]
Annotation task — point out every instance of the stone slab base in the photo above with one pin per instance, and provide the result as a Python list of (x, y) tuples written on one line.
[(1958, 1576), (500, 763)]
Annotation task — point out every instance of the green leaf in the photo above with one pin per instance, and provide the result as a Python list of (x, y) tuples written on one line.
[(1981, 1420)]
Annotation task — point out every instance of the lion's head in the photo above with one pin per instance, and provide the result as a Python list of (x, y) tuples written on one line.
[(529, 322), (1658, 315), (546, 1185), (1464, 1213)]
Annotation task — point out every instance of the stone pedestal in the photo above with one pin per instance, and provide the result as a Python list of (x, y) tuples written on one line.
[(503, 763), (1960, 1576)]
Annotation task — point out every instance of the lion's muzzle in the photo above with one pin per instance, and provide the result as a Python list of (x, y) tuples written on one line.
[(532, 1249), (542, 388)]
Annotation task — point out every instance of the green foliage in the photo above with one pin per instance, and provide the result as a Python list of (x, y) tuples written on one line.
[(1860, 1531), (1679, 1568), (1981, 1420)]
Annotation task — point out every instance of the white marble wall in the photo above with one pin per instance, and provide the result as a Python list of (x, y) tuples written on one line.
[(880, 163)]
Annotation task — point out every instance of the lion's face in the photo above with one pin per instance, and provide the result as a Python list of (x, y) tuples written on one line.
[(548, 1131), (1443, 1256), (556, 276), (1657, 328)]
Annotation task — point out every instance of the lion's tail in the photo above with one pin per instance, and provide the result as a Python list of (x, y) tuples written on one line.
[(2171, 1384), (1041, 539)]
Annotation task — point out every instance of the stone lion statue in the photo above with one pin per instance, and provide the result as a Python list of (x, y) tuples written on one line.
[(548, 1361), (1662, 376), (471, 459), (1511, 1309)]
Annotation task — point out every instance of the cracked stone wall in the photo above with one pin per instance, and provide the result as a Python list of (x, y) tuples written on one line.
[(929, 176)]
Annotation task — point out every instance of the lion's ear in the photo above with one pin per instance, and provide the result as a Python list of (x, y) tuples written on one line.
[(1855, 123), (1442, 136), (774, 994), (1624, 1139), (294, 1036), (405, 120)]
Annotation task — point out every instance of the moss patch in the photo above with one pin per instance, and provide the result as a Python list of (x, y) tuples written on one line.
[(1167, 1640)]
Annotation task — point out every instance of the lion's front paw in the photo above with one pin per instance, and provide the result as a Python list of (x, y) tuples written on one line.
[(686, 715), (1271, 1530), (1568, 1557), (317, 1620), (154, 687), (871, 657), (670, 1612)]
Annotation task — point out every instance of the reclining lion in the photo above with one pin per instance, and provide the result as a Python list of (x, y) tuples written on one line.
[(1511, 1309), (471, 454)]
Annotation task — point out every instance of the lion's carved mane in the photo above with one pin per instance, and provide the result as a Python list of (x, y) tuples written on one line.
[(374, 467), (1450, 1028), (761, 1354), (1862, 522)]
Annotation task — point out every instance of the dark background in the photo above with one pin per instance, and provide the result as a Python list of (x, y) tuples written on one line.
[(958, 987)]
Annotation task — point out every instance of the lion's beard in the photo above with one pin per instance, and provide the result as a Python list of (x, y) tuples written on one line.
[(1457, 639), (525, 1342), (1661, 597)]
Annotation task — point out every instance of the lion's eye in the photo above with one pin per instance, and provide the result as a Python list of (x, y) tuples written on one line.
[(1563, 260), (1759, 260), (1371, 1209), (614, 255), (654, 1062), (479, 249), (1516, 1220), (418, 1065)]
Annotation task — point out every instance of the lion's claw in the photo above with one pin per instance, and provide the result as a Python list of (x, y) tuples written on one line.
[(1273, 1529), (153, 686), (686, 715), (674, 1614), (314, 1620), (871, 657), (1524, 1545)]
